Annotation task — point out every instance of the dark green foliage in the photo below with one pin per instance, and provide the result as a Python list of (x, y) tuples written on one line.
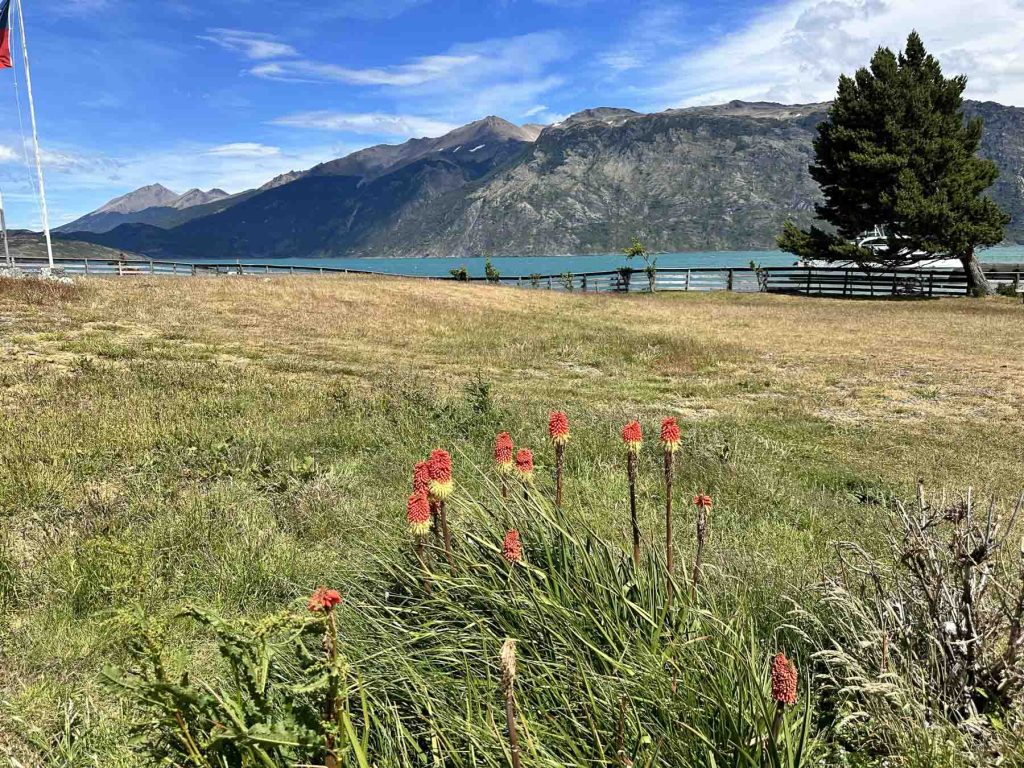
[(459, 274), (896, 152), (492, 274)]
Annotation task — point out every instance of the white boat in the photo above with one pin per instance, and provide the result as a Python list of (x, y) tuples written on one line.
[(878, 242)]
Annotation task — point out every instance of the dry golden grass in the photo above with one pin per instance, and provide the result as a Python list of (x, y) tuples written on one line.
[(845, 360), (950, 372)]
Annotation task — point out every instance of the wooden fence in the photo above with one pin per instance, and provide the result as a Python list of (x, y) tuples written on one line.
[(808, 281)]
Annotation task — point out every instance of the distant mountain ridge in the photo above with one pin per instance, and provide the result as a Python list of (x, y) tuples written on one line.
[(702, 178), (153, 204)]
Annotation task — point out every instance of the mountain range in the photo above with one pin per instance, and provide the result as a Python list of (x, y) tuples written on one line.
[(154, 204), (702, 178)]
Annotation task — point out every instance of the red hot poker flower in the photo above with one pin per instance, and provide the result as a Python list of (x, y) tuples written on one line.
[(418, 513), (324, 599), (558, 428), (503, 450), (702, 500), (784, 680), (633, 436), (421, 477), (512, 547), (440, 467), (524, 464), (670, 435)]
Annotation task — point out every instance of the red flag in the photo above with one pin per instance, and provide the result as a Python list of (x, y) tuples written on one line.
[(5, 34)]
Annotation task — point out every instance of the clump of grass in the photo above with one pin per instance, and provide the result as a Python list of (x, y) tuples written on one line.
[(38, 291), (606, 671)]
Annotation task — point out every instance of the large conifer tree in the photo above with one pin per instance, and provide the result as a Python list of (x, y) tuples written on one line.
[(896, 151)]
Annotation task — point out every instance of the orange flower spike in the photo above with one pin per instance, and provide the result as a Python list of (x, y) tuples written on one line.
[(633, 436), (558, 428), (702, 500), (504, 460), (421, 477), (670, 435), (784, 680), (440, 467), (324, 600), (418, 513), (524, 465), (512, 548)]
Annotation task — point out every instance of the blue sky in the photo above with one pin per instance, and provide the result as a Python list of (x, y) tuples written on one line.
[(230, 93)]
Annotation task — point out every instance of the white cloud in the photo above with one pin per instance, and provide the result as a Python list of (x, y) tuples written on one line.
[(419, 71), (796, 51), (244, 149), (252, 45), (504, 76), (371, 123), (7, 154)]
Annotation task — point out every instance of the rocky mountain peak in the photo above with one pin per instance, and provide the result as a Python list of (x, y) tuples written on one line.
[(150, 196), (198, 197)]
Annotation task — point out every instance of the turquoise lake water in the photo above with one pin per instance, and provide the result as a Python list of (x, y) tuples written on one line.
[(512, 266)]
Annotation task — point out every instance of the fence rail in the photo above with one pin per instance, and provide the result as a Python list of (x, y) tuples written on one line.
[(813, 281)]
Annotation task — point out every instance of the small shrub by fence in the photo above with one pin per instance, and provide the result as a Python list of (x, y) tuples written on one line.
[(807, 281)]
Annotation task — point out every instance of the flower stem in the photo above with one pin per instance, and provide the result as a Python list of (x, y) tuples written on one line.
[(780, 711), (702, 533), (333, 704), (631, 472), (446, 534), (669, 555), (508, 680), (559, 467)]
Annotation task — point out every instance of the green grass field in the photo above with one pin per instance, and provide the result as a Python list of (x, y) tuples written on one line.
[(233, 443)]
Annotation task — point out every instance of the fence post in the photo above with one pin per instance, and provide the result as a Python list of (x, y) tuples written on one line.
[(729, 284), (687, 288), (895, 278), (174, 267), (152, 269), (87, 266), (808, 281), (549, 284), (193, 270), (931, 285)]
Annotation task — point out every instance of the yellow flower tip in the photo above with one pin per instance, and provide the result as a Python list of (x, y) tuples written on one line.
[(505, 467), (441, 490), (670, 446), (634, 446), (420, 528)]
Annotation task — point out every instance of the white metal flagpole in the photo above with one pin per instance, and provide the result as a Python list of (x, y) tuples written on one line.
[(35, 137), (3, 232)]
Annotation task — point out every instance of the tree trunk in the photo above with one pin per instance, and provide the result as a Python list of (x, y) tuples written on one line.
[(977, 283)]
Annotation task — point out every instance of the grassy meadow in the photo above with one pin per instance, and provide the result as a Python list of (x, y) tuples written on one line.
[(232, 443)]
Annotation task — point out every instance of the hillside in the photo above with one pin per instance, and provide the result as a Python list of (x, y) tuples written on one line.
[(719, 177), (32, 245)]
